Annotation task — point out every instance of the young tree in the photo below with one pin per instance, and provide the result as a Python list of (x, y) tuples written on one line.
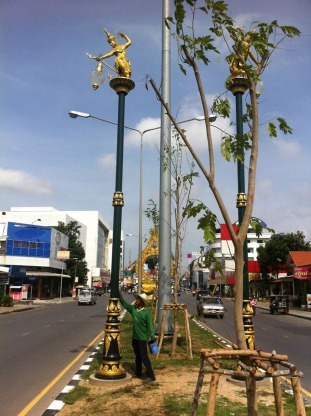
[(182, 183), (248, 58), (76, 265)]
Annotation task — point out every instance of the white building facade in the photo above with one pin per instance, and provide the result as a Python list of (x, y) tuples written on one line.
[(223, 249), (94, 233)]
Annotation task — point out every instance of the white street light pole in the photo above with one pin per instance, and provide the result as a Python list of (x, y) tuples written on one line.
[(76, 114)]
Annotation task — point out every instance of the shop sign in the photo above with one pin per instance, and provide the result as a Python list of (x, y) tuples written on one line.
[(302, 273)]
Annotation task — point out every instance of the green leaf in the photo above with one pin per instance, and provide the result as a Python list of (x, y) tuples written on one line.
[(271, 130), (181, 67), (283, 126), (290, 31)]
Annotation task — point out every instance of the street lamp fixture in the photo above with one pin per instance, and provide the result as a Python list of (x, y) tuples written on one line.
[(39, 219)]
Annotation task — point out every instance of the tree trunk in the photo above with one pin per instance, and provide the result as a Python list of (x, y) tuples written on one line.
[(238, 296)]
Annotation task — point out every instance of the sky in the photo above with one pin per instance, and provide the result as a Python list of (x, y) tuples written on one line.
[(48, 159)]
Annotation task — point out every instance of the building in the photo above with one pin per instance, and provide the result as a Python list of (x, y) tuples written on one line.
[(94, 233), (224, 251), (33, 258)]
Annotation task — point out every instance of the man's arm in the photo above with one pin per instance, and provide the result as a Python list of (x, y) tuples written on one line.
[(126, 305), (150, 326)]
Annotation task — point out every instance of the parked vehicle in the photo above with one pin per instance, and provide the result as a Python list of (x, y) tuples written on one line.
[(87, 297), (210, 306), (279, 303)]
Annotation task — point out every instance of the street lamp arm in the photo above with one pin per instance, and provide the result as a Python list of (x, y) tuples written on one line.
[(76, 114)]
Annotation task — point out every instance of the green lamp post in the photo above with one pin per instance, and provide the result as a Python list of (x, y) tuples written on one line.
[(238, 86), (111, 367)]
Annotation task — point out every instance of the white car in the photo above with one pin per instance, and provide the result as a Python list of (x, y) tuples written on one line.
[(87, 297), (210, 306)]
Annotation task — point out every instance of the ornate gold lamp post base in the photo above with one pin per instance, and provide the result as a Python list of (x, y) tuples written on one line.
[(111, 368)]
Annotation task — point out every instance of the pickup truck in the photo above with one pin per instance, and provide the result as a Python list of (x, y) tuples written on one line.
[(87, 297)]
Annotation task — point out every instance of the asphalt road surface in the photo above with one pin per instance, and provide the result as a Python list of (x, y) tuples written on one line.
[(284, 334), (37, 345)]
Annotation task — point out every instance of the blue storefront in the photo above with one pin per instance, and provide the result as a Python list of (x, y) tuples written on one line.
[(32, 254)]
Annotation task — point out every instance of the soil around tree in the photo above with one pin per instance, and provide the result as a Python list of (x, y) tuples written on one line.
[(170, 382)]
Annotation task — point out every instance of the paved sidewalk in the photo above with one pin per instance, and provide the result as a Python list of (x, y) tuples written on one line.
[(292, 311), (29, 305)]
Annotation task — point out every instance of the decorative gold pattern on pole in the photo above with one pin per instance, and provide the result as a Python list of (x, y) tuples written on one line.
[(249, 332), (118, 199), (124, 85), (239, 84), (241, 200)]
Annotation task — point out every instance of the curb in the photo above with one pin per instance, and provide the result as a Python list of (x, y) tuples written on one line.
[(58, 403)]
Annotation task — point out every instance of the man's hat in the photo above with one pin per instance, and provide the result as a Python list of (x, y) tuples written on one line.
[(143, 297)]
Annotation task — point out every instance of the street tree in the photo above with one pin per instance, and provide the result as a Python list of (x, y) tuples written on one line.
[(249, 55), (183, 173), (273, 256), (76, 265)]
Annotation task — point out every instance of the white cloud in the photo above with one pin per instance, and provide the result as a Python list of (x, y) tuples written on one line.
[(24, 182), (303, 190), (145, 128), (107, 161), (265, 188), (288, 149)]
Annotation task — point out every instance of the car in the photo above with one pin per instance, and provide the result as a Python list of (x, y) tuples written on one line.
[(200, 293), (210, 306), (87, 297)]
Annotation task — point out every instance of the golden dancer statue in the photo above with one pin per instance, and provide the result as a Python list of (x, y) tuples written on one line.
[(242, 49), (122, 64)]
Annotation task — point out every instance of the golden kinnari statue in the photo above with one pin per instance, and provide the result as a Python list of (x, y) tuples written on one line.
[(242, 49), (122, 64)]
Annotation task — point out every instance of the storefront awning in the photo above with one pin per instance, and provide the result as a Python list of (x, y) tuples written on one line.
[(47, 274)]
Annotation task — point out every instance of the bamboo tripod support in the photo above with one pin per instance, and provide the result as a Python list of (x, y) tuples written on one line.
[(268, 362), (176, 308)]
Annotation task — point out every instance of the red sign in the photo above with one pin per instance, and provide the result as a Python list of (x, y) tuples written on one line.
[(302, 273)]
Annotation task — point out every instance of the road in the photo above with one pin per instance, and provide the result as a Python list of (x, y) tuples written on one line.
[(284, 334), (36, 345)]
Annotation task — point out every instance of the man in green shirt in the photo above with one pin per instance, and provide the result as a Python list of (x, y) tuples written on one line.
[(142, 332)]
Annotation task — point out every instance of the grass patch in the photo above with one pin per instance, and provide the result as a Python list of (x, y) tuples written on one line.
[(79, 392), (120, 400)]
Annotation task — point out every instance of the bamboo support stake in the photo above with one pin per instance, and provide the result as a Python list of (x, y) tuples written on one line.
[(175, 335), (251, 370), (292, 367), (242, 353), (210, 410), (188, 334), (198, 389), (268, 368), (213, 363), (277, 393), (300, 407), (155, 313), (161, 333)]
